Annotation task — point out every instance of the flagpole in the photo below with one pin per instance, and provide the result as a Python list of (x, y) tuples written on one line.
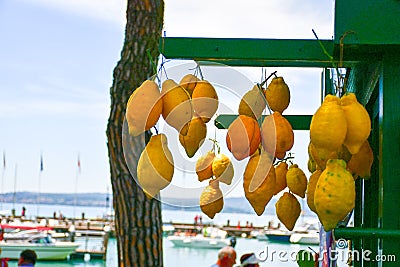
[(38, 195), (15, 186), (39, 185), (78, 171), (2, 180)]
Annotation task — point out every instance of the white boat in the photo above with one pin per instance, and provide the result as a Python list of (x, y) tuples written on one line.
[(308, 234), (311, 238), (210, 237), (41, 242)]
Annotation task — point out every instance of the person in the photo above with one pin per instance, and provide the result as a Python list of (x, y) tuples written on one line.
[(3, 261), (226, 257), (249, 260), (23, 212), (27, 258)]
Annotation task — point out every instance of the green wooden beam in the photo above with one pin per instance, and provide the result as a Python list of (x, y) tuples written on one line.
[(298, 122), (354, 232), (250, 52)]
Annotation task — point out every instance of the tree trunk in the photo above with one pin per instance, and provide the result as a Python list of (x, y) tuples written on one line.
[(137, 218)]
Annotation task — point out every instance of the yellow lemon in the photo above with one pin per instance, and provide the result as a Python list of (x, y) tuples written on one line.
[(188, 82), (334, 195), (204, 166), (278, 95), (277, 134), (259, 181), (360, 164), (144, 108), (155, 166), (280, 172), (243, 137), (211, 199), (312, 183), (222, 168), (253, 103), (296, 180), (205, 100), (288, 210), (358, 123), (328, 127), (177, 106), (196, 132)]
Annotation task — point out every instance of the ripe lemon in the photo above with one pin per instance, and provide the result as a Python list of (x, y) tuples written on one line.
[(155, 166), (211, 199), (360, 164), (280, 172), (334, 195), (358, 123), (222, 168), (196, 132), (328, 127), (312, 183), (243, 137), (288, 210), (204, 166), (278, 95), (259, 181), (296, 180), (253, 103), (144, 108)]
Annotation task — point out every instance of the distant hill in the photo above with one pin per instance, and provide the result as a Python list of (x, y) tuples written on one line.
[(82, 199), (231, 205)]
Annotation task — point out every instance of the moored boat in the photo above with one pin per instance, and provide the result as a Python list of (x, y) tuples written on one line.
[(39, 241), (210, 237)]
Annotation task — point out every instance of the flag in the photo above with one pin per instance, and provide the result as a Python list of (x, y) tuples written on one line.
[(4, 160), (41, 162), (79, 164)]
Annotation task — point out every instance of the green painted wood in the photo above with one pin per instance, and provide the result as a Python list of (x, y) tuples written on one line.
[(249, 52), (373, 22), (298, 122), (355, 232), (389, 129)]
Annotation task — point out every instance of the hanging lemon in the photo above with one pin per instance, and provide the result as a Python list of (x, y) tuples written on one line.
[(335, 194), (288, 210), (211, 199), (296, 180), (328, 127), (259, 180), (278, 95), (358, 123)]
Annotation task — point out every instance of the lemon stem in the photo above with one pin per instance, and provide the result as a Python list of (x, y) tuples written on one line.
[(265, 81)]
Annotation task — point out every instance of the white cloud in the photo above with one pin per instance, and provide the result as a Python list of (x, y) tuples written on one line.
[(109, 10)]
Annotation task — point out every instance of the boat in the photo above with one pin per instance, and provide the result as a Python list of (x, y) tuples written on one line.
[(38, 240), (308, 234), (275, 235), (210, 237)]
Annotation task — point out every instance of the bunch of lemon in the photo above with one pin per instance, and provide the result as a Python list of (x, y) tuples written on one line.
[(339, 152), (186, 107)]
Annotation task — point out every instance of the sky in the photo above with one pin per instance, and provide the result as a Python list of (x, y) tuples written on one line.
[(56, 64)]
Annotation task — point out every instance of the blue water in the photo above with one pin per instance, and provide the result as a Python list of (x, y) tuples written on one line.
[(174, 256)]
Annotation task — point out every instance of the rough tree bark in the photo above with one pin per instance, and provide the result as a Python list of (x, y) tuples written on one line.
[(137, 218)]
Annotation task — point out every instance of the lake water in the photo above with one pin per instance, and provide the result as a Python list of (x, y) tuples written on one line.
[(174, 256)]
